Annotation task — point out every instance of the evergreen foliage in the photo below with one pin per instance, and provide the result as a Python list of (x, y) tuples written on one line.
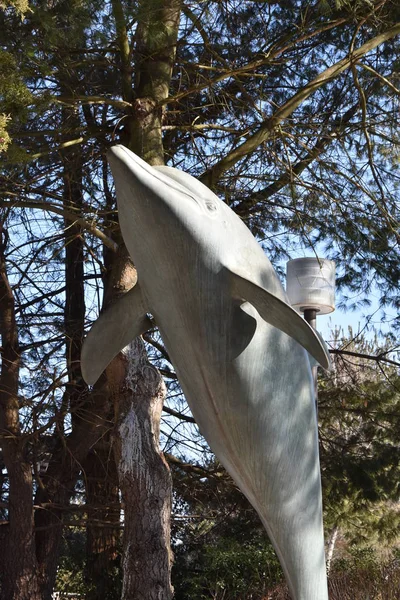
[(288, 110)]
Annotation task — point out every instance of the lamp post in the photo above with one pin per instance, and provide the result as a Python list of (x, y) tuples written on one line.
[(310, 286)]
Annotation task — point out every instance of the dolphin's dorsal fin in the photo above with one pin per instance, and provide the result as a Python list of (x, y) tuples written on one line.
[(281, 315), (113, 330)]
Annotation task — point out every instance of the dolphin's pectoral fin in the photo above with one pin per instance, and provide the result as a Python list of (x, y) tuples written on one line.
[(113, 330), (313, 361), (281, 315)]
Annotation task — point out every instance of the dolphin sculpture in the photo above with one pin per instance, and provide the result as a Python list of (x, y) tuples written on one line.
[(241, 353)]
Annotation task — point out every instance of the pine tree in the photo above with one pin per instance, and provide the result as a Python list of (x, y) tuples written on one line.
[(287, 111)]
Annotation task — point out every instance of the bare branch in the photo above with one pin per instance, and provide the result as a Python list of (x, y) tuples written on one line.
[(292, 174), (269, 125), (385, 80), (204, 472), (377, 358), (74, 100), (178, 415), (274, 52), (79, 140), (68, 215)]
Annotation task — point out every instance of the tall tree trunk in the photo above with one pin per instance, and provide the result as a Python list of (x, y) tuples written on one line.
[(103, 520), (137, 390), (156, 38), (59, 482), (19, 576), (144, 475)]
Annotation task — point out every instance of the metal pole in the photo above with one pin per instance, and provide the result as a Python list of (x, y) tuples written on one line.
[(310, 315)]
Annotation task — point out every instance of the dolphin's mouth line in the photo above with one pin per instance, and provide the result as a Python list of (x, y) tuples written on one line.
[(162, 177)]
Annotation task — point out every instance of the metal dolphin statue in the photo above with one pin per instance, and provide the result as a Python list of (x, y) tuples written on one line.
[(240, 351)]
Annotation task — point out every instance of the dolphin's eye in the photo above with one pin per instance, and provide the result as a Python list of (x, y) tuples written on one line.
[(211, 206)]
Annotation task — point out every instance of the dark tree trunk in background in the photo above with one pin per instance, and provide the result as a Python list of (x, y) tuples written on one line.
[(19, 578), (103, 520), (58, 484), (60, 479)]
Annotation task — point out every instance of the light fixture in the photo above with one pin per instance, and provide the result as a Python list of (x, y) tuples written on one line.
[(310, 286)]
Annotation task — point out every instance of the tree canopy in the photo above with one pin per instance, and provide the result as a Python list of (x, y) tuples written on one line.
[(288, 110)]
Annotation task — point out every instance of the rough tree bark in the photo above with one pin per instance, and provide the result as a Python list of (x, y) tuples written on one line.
[(144, 477), (156, 38), (19, 577), (137, 387), (103, 519), (138, 392)]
